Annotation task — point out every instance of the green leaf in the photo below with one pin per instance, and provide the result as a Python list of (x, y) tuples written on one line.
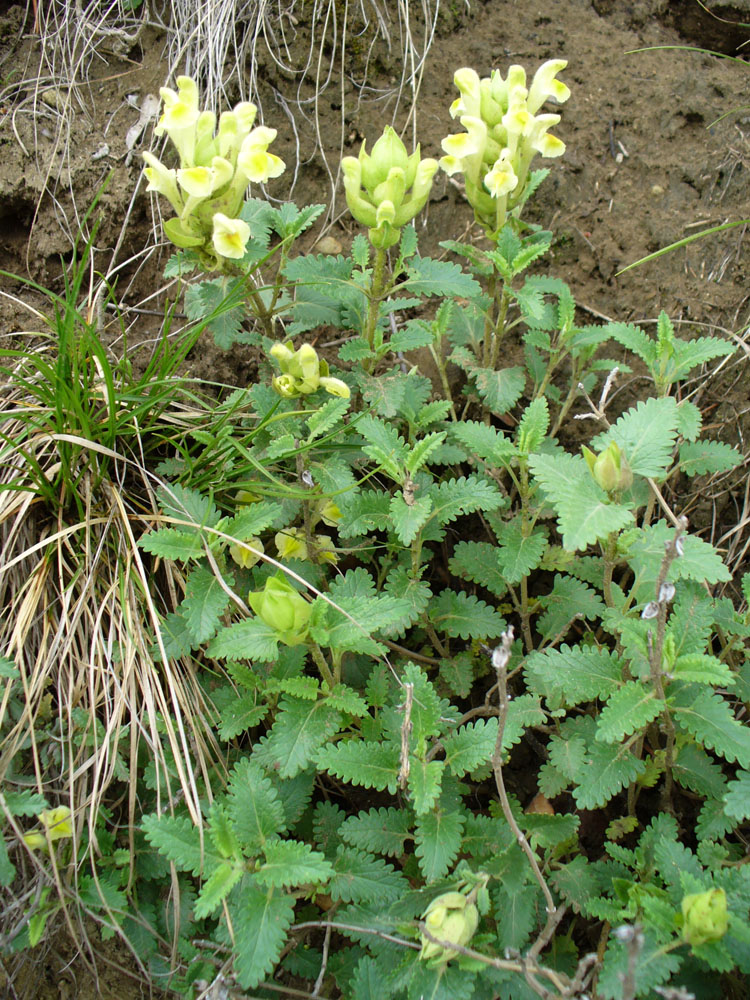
[(519, 554), (480, 563), (711, 721), (628, 710), (653, 968), (646, 436), (359, 877), (422, 450), (458, 673), (584, 511), (427, 707), (569, 600), (524, 711), (415, 334), (204, 603), (250, 639), (500, 390), (169, 543), (178, 839), (635, 340), (737, 798), (707, 457), (699, 668), (363, 512), (463, 496), (24, 803), (533, 425), (570, 675), (326, 417), (251, 520), (300, 728), (485, 441), (220, 303), (369, 764), (567, 756), (261, 919), (385, 446), (464, 615), (409, 518), (291, 220), (7, 868), (254, 806), (471, 746), (607, 771), (425, 276), (699, 560), (360, 250), (291, 863), (696, 770), (216, 888), (438, 842), (414, 592), (8, 669), (379, 831), (424, 783), (240, 715)]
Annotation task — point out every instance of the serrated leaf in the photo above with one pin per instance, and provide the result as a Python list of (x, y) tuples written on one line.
[(500, 390), (346, 699), (359, 877), (369, 764), (737, 797), (415, 334), (463, 496), (188, 505), (424, 783), (250, 639), (326, 417), (549, 831), (422, 450), (480, 563), (524, 711), (485, 441), (408, 518), (438, 841), (585, 512), (251, 520), (385, 446), (711, 721), (219, 303), (170, 543), (425, 276), (261, 919), (629, 709), (178, 839), (360, 250), (216, 888), (707, 457), (464, 615), (519, 554), (291, 863), (533, 425), (608, 769), (24, 802), (699, 668), (254, 805), (458, 673), (654, 967), (363, 512), (471, 746), (7, 868), (414, 592), (300, 728), (571, 675), (635, 340), (204, 603), (569, 600), (240, 715), (379, 831), (645, 435), (8, 669), (567, 755), (696, 770)]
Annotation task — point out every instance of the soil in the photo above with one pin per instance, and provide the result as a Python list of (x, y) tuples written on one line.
[(657, 149)]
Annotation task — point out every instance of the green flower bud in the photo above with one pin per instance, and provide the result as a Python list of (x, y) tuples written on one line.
[(286, 386), (705, 916), (610, 469), (282, 609), (450, 918)]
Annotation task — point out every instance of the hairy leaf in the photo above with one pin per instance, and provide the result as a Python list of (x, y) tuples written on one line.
[(291, 863), (464, 615), (372, 765), (261, 918), (438, 842), (254, 805), (424, 783), (629, 709), (250, 639), (379, 831), (216, 888), (425, 276), (711, 721), (359, 877), (707, 457), (178, 839), (470, 746), (480, 563), (300, 728), (570, 675), (607, 771)]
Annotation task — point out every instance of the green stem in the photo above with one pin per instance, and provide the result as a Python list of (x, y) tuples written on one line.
[(375, 295), (499, 332), (322, 665), (437, 357)]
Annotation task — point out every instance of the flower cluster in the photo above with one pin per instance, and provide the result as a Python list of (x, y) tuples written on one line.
[(216, 166), (503, 135), (303, 372), (283, 609), (451, 918), (385, 189)]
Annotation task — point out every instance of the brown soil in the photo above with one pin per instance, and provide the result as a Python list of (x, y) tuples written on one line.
[(648, 163)]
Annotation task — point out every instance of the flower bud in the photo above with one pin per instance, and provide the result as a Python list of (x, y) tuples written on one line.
[(705, 916), (450, 917), (280, 607), (610, 469)]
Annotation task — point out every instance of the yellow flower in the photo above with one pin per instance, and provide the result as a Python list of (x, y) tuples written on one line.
[(230, 236), (248, 553), (57, 825), (290, 544)]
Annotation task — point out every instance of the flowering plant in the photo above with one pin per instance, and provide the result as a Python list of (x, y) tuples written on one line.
[(503, 135), (216, 167)]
